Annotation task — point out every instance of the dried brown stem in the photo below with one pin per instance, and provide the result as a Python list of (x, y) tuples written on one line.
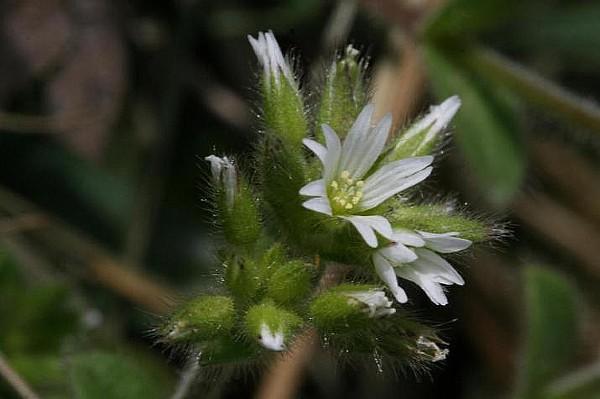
[(570, 174), (100, 266), (400, 85), (22, 223), (564, 227)]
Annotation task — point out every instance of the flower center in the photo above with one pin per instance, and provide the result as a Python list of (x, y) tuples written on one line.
[(344, 193)]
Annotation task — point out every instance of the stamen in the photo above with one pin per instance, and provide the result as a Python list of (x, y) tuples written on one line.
[(345, 193)]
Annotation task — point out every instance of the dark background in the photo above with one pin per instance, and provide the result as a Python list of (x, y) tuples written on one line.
[(107, 109)]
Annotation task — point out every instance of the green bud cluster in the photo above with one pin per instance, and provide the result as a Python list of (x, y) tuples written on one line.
[(276, 252)]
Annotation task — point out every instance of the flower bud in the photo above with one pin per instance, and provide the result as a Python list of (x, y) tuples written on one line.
[(236, 202), (349, 307), (290, 283), (344, 93), (200, 319), (243, 278), (273, 327), (283, 107), (422, 137), (438, 218)]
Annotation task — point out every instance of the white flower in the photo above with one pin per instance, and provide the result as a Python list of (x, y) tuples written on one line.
[(412, 256), (377, 304), (349, 187), (271, 340), (433, 123), (270, 57), (224, 175)]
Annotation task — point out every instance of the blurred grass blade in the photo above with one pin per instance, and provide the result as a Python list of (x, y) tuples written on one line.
[(465, 17), (581, 384), (534, 88), (486, 129), (552, 333)]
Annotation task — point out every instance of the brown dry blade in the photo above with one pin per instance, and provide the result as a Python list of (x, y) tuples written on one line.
[(86, 94)]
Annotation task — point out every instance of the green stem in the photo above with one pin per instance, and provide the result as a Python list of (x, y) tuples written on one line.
[(535, 88)]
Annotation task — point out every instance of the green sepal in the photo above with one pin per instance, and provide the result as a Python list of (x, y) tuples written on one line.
[(241, 223), (202, 318), (290, 284), (344, 93), (412, 144), (283, 112), (334, 312), (435, 218), (243, 277), (274, 317), (226, 350)]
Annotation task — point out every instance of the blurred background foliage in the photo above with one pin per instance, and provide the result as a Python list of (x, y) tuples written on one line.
[(107, 109)]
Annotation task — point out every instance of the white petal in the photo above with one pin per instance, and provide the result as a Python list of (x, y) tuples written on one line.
[(260, 49), (431, 263), (398, 253), (319, 149), (314, 189), (320, 204), (408, 237), (434, 291), (386, 189), (334, 149), (398, 169), (385, 271), (368, 149), (271, 340), (434, 122), (356, 142), (445, 242), (365, 231), (367, 225)]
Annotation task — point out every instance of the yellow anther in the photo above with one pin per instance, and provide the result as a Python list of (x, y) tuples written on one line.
[(345, 192)]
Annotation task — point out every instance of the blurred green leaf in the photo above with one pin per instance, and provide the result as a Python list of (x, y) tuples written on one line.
[(238, 22), (33, 319), (552, 333), (45, 372), (465, 17), (571, 31), (99, 375), (486, 129)]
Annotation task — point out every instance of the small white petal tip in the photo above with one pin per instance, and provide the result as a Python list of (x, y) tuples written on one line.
[(271, 340), (375, 303)]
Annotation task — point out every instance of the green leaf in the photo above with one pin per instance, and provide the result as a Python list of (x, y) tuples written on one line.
[(465, 17), (486, 130), (99, 375), (551, 336)]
